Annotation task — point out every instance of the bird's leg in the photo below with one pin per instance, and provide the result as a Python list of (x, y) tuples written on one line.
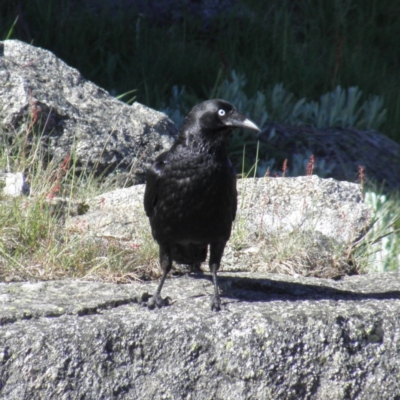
[(166, 265), (215, 300), (216, 251)]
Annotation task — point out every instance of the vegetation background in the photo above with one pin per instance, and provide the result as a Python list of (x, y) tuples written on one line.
[(311, 46)]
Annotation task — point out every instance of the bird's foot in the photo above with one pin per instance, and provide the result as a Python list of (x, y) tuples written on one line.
[(215, 303), (158, 301)]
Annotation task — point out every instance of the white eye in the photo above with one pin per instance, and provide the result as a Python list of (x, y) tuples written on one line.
[(221, 112)]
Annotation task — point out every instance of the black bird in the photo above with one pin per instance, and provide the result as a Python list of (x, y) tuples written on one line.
[(191, 196)]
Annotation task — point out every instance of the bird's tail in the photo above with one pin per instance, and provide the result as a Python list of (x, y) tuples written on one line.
[(189, 253)]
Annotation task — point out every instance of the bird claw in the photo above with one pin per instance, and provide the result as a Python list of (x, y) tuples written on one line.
[(215, 303), (158, 301)]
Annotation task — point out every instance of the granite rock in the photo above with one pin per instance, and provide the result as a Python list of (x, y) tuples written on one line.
[(41, 96), (277, 337)]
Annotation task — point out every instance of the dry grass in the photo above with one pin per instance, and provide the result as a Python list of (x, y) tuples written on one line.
[(34, 244), (292, 253)]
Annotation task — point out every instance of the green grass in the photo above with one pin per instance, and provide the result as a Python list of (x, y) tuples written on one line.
[(379, 250), (311, 46)]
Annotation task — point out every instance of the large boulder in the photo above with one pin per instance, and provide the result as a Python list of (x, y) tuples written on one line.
[(41, 96), (277, 337), (313, 220)]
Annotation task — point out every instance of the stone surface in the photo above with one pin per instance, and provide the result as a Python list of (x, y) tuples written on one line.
[(277, 337), (40, 95), (14, 184), (325, 208), (117, 214)]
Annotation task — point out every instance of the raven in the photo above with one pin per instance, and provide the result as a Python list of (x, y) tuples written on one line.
[(190, 196)]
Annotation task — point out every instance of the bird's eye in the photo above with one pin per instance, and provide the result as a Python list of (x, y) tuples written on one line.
[(221, 112)]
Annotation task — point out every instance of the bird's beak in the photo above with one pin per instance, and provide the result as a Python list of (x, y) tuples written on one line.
[(238, 120), (248, 124)]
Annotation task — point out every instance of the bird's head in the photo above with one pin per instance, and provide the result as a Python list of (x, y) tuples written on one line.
[(218, 114), (214, 119)]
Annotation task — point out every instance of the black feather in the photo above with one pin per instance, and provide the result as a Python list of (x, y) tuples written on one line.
[(190, 195)]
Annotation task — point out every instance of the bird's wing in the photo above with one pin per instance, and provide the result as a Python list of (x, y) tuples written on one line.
[(153, 177)]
